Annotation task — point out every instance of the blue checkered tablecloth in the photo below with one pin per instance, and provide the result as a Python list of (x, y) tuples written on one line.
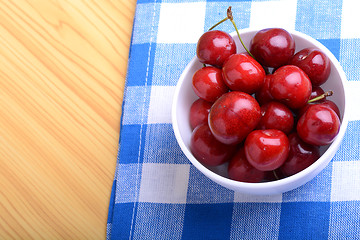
[(158, 194)]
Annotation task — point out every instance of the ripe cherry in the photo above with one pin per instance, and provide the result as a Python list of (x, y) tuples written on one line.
[(272, 47), (275, 115), (206, 149), (208, 83), (263, 95), (291, 86), (319, 125), (332, 105), (301, 155), (266, 149), (214, 47), (240, 169), (318, 96), (316, 92), (199, 112), (326, 103), (233, 116), (314, 63), (243, 73)]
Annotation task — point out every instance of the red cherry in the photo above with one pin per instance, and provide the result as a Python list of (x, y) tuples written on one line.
[(318, 96), (243, 73), (275, 115), (319, 125), (214, 47), (199, 112), (263, 95), (272, 47), (291, 86), (303, 109), (206, 149), (301, 156), (314, 63), (266, 149), (239, 169), (208, 83), (332, 105), (316, 92), (326, 103), (233, 116)]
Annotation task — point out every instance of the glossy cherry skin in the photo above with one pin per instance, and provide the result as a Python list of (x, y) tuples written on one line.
[(314, 63), (332, 105), (326, 103), (243, 73), (233, 116), (291, 86), (208, 83), (239, 169), (214, 47), (301, 155), (316, 92), (206, 149), (199, 112), (266, 150), (272, 47), (275, 115), (319, 125), (263, 95)]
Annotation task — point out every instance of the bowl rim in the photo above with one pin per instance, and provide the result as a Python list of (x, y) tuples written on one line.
[(315, 168)]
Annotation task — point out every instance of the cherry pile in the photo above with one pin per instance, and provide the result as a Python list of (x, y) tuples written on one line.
[(262, 112)]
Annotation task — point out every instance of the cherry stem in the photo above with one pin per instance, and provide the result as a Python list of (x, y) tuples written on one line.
[(276, 176), (230, 16), (218, 23), (322, 96)]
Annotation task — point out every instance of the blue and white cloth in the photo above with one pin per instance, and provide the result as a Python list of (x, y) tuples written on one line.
[(158, 194)]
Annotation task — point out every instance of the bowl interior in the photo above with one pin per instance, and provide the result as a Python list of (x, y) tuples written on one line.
[(185, 96)]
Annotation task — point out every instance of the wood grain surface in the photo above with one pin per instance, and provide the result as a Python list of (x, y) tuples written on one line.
[(62, 70)]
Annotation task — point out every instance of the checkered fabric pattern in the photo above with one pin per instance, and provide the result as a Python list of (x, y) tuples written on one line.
[(158, 194)]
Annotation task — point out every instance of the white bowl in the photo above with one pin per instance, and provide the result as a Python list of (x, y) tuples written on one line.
[(184, 96)]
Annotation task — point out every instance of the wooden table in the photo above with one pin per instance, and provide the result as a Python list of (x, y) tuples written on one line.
[(62, 70)]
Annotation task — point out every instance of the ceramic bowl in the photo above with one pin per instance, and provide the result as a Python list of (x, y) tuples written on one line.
[(184, 96)]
